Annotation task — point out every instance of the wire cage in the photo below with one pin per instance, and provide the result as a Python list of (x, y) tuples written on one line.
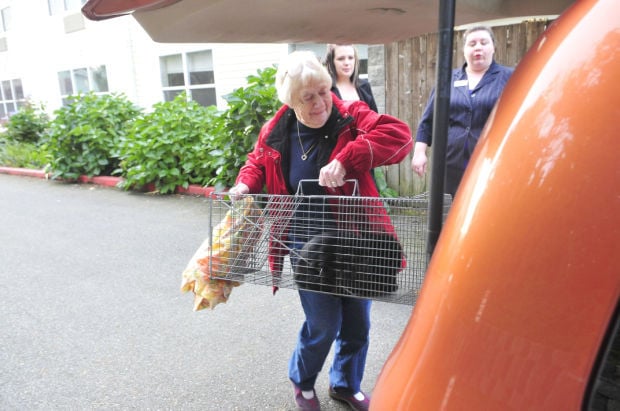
[(355, 246)]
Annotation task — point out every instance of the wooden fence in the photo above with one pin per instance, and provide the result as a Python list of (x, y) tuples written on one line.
[(410, 70)]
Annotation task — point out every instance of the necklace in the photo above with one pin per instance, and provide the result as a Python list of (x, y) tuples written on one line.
[(304, 153)]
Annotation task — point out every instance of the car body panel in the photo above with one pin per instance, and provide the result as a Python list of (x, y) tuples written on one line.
[(294, 21), (523, 283)]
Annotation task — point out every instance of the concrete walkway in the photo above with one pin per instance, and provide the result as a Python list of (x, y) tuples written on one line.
[(92, 316)]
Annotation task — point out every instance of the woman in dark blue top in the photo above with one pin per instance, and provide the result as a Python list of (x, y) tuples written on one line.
[(476, 87)]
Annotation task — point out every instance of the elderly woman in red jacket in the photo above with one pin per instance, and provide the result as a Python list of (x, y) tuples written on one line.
[(316, 136)]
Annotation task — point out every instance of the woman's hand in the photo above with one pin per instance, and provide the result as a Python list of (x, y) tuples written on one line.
[(419, 160), (332, 175), (238, 190)]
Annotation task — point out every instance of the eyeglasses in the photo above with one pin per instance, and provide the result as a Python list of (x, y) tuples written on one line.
[(309, 98)]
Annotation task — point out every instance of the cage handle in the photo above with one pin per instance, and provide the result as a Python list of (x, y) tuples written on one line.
[(300, 190)]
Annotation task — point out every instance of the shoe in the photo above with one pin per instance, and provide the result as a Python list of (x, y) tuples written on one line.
[(354, 403), (305, 404)]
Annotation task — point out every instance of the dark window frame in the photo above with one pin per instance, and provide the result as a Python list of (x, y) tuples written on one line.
[(12, 97), (82, 80), (177, 77)]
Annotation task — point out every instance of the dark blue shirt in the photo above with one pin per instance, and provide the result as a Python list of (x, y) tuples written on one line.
[(312, 215), (307, 169), (469, 111)]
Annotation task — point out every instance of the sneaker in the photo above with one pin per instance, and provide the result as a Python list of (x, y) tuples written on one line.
[(356, 404), (306, 404)]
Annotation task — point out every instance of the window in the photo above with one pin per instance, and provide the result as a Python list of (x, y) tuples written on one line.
[(5, 19), (60, 6), (11, 97), (190, 73), (363, 70), (82, 80)]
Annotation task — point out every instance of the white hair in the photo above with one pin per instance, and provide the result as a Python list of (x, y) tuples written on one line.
[(297, 70)]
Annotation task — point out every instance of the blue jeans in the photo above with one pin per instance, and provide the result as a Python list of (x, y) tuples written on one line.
[(330, 318)]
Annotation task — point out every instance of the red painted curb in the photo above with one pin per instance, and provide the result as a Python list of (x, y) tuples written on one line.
[(107, 181), (191, 189), (28, 172)]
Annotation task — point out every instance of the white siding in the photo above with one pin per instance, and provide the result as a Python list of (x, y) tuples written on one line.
[(234, 62), (39, 47)]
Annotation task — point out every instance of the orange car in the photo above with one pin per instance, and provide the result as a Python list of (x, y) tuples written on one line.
[(519, 309)]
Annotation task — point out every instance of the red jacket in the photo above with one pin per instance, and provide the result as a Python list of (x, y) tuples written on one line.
[(361, 140)]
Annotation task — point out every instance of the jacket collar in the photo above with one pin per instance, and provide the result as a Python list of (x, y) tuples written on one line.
[(489, 75), (278, 129)]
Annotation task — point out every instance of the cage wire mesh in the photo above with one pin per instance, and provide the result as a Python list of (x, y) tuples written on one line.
[(356, 246)]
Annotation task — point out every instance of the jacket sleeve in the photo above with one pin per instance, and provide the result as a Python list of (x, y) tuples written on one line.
[(425, 127), (252, 173), (380, 139), (365, 92)]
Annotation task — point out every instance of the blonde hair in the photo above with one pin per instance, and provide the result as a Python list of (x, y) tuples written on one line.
[(297, 70)]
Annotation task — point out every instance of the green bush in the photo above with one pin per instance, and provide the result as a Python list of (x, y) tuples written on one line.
[(382, 185), (248, 109), (169, 146), (19, 144), (28, 124), (182, 143), (85, 136), (22, 155), (177, 144)]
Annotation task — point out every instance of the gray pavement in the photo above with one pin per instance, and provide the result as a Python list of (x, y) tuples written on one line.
[(92, 317)]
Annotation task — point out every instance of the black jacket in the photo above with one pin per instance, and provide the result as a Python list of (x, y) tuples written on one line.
[(365, 93)]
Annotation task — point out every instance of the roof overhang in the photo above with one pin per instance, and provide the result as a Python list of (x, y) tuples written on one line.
[(295, 21)]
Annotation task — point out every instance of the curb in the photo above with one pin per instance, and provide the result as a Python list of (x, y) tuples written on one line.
[(107, 181), (27, 172), (101, 180)]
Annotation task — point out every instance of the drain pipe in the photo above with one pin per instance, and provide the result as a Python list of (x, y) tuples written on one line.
[(441, 117)]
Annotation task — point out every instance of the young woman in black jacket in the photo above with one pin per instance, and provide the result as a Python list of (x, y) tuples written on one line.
[(343, 63)]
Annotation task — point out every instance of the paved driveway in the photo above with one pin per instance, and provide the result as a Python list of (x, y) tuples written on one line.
[(92, 316)]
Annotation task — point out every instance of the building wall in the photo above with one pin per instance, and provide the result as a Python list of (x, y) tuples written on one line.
[(40, 45), (376, 74)]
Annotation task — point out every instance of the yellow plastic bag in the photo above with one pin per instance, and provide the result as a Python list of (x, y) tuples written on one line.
[(212, 261)]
